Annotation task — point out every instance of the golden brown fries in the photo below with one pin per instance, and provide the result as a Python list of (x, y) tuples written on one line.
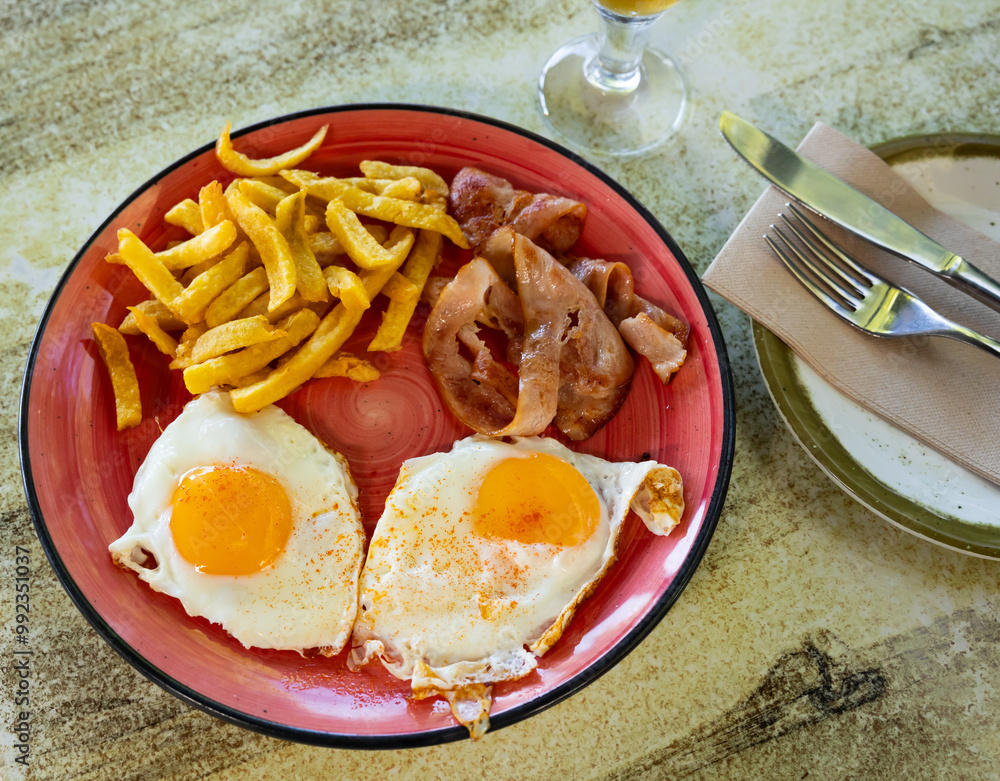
[(279, 268), (272, 246), (186, 215), (350, 366), (244, 166), (423, 258), (237, 297), (431, 180), (205, 245), (166, 319), (325, 341), (395, 210), (114, 353), (290, 218), (148, 325), (234, 335)]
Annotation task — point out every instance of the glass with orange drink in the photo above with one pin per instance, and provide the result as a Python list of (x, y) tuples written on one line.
[(609, 92)]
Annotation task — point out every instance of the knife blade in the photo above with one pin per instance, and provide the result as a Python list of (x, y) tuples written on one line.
[(834, 199)]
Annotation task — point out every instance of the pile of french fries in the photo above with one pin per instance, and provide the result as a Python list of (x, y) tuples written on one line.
[(277, 274)]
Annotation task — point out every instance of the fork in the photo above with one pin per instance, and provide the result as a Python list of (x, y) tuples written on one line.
[(857, 294)]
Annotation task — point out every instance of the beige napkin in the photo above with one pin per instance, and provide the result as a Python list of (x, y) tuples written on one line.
[(943, 392)]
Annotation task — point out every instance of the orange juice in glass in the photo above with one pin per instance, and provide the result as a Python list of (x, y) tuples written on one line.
[(609, 92)]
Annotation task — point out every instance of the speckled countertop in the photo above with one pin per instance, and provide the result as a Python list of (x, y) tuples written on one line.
[(814, 641)]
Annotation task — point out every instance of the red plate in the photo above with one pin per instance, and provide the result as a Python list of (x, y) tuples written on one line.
[(78, 469)]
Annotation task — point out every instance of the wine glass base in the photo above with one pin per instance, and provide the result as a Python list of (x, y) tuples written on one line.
[(611, 122)]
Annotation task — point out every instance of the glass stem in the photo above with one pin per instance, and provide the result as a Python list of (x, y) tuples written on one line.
[(616, 68)]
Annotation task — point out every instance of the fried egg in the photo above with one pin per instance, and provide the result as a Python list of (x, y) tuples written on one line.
[(483, 554), (250, 522)]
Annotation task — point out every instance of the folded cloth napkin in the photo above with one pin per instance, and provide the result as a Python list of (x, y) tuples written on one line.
[(944, 393)]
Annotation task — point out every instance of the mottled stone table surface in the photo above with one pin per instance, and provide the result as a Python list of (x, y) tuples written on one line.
[(814, 641)]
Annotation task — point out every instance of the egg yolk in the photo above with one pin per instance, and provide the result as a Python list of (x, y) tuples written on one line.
[(536, 498), (230, 520)]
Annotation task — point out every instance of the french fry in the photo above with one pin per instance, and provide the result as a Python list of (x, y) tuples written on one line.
[(408, 188), (324, 342), (148, 325), (228, 369), (242, 165), (431, 180), (191, 304), (262, 194), (124, 384), (347, 286), (408, 213), (212, 205), (249, 379), (236, 297), (421, 261), (321, 243), (155, 277), (166, 319), (273, 247), (399, 288), (186, 215), (350, 366), (182, 358), (234, 335), (198, 249), (290, 219), (357, 242), (259, 306)]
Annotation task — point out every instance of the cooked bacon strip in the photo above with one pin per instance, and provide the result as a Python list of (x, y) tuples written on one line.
[(483, 402), (653, 333), (482, 203), (574, 369)]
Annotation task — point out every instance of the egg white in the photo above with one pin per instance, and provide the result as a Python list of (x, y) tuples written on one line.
[(440, 606), (307, 597)]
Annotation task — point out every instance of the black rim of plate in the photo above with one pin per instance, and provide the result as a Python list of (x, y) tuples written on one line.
[(419, 738)]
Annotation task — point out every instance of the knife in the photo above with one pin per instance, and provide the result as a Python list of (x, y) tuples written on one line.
[(828, 196)]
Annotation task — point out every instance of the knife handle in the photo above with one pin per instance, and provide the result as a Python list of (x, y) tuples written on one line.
[(973, 281)]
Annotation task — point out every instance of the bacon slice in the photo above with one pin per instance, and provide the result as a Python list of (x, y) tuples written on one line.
[(656, 335), (573, 367), (482, 203), (481, 393)]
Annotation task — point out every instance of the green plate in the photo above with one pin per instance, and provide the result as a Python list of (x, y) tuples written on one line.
[(912, 487)]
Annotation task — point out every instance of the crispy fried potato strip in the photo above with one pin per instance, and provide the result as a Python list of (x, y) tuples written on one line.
[(324, 342), (186, 215), (234, 335), (347, 286), (426, 254), (290, 218), (235, 298), (192, 302), (148, 325), (198, 249), (114, 352), (165, 319), (228, 369), (264, 293), (156, 277), (379, 207), (273, 248), (242, 165), (376, 169), (350, 366)]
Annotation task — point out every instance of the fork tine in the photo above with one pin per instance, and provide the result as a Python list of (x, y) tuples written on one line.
[(858, 286), (807, 281), (827, 242), (820, 271)]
